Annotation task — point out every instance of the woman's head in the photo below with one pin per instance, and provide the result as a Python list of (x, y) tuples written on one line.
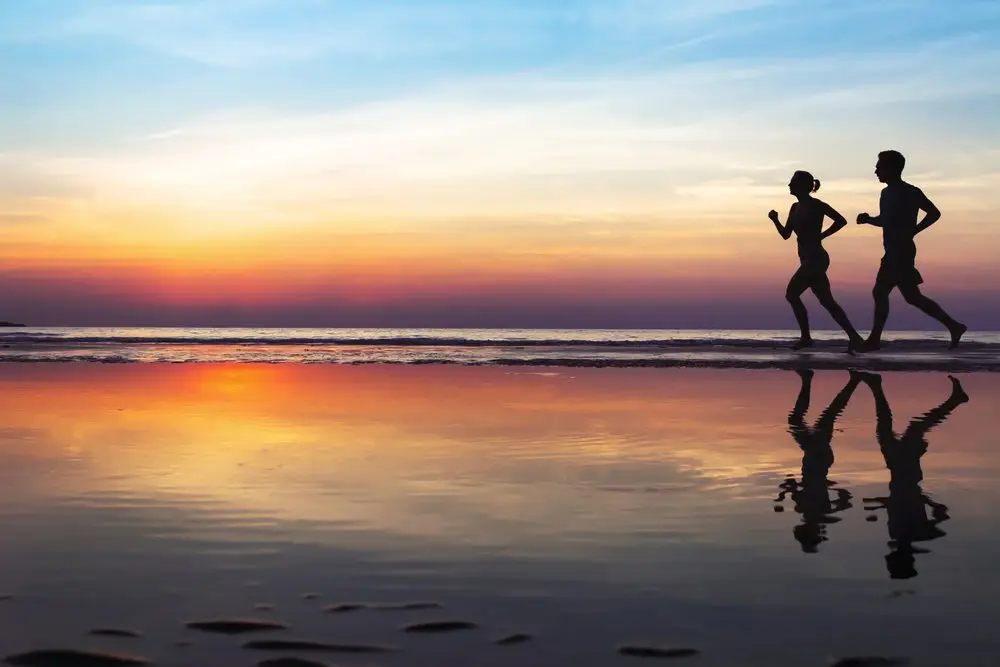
[(802, 183)]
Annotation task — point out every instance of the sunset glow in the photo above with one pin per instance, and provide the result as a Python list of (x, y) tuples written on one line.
[(601, 163)]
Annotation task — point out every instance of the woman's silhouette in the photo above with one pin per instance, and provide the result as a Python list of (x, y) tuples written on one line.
[(805, 219)]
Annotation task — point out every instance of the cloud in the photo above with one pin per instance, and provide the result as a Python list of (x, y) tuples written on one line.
[(694, 138)]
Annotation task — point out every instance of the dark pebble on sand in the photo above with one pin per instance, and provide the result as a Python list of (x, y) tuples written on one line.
[(113, 632), (304, 645), (4, 598), (72, 658), (182, 644), (518, 638), (291, 662), (234, 626), (779, 508), (343, 608), (440, 626), (408, 606), (871, 518), (310, 596), (870, 661), (263, 607), (657, 652)]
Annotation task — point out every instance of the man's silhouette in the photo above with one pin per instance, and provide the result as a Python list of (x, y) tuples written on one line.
[(899, 206), (812, 495), (906, 505)]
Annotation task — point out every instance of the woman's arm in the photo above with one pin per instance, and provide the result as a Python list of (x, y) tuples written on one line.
[(786, 229), (839, 221)]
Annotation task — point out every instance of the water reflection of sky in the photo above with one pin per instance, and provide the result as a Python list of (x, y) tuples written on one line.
[(591, 506)]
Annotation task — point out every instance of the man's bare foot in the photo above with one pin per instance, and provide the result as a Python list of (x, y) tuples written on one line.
[(802, 343), (956, 335), (872, 344), (957, 392), (868, 378)]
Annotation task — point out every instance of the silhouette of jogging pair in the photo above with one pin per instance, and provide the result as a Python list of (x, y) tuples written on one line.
[(906, 505), (899, 207)]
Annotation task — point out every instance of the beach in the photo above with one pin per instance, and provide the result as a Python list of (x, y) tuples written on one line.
[(589, 509)]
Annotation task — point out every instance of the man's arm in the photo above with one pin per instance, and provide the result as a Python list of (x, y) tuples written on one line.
[(873, 220), (926, 205)]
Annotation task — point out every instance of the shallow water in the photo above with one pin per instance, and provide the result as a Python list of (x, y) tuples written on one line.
[(708, 348), (589, 507)]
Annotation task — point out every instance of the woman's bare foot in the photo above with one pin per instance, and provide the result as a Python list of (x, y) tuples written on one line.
[(855, 345), (956, 335)]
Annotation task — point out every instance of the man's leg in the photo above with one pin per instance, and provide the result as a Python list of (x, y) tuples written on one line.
[(880, 293), (916, 298)]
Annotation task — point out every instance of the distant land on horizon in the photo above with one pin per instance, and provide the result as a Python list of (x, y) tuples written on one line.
[(827, 329)]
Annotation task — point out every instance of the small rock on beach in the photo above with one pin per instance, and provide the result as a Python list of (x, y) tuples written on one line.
[(870, 661), (344, 607), (74, 658), (234, 626), (114, 632), (305, 645), (291, 662), (440, 626), (657, 652), (408, 606)]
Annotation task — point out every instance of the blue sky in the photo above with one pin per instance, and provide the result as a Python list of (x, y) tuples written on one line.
[(70, 63), (619, 123)]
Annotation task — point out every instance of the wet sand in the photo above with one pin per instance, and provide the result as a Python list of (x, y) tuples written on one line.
[(388, 515)]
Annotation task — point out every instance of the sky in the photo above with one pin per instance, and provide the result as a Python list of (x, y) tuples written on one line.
[(482, 163)]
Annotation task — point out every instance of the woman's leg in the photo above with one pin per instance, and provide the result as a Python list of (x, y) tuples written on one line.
[(798, 284), (821, 288)]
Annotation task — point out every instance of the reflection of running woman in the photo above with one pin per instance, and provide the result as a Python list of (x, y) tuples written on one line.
[(899, 205), (907, 504), (812, 495), (805, 219)]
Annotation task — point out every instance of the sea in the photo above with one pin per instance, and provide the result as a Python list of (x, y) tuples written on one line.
[(414, 497), (910, 350)]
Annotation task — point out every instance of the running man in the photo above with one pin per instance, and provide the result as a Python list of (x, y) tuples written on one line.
[(899, 206)]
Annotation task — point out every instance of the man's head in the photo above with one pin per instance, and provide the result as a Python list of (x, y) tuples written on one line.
[(889, 166)]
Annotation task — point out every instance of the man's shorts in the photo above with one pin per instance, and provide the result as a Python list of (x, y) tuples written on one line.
[(898, 272)]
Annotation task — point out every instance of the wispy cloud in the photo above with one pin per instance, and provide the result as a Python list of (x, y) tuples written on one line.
[(530, 139)]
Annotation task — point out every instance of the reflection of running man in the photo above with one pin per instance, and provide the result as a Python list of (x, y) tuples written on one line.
[(906, 505), (899, 206), (812, 495)]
